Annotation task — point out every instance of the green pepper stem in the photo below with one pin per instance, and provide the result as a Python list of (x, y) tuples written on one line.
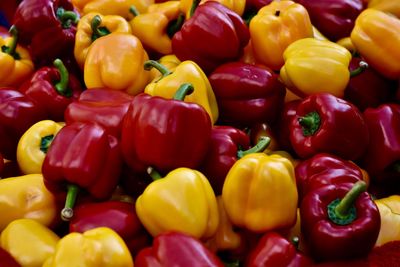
[(361, 67), (296, 242), (11, 49), (259, 147), (345, 204), (97, 31), (67, 212), (183, 90), (66, 17), (175, 25), (149, 64), (45, 143), (310, 123), (133, 10), (62, 85), (155, 175), (195, 4)]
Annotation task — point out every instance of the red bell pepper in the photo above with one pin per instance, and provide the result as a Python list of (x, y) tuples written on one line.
[(178, 250), (82, 156), (283, 128), (325, 123), (247, 94), (48, 27), (382, 159), (212, 36), (53, 89), (333, 18), (6, 260), (165, 133), (274, 250), (104, 106), (117, 215), (339, 221), (257, 4), (17, 114)]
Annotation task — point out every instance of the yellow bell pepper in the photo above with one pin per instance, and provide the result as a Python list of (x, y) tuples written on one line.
[(26, 197), (182, 201), (96, 247), (156, 27), (376, 36), (168, 61), (15, 62), (29, 242), (318, 35), (389, 210), (347, 43), (116, 61), (275, 27), (260, 193), (32, 146), (186, 72), (313, 66), (92, 26), (111, 7), (237, 6), (388, 6)]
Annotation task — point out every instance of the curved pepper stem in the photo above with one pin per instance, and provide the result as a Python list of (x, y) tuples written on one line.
[(67, 212), (262, 144), (296, 241), (67, 18), (45, 143), (195, 4), (11, 49), (342, 211), (184, 90), (133, 10), (149, 64), (155, 175), (310, 123), (175, 25), (62, 85), (361, 67), (97, 31)]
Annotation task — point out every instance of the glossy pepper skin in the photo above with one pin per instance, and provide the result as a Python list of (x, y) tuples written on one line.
[(101, 105), (275, 250), (339, 221), (103, 247), (154, 126), (274, 28), (17, 114), (310, 57), (376, 36), (247, 94), (34, 143), (389, 210), (36, 20), (117, 215), (319, 118), (53, 88), (115, 61), (334, 19), (283, 128), (177, 249), (237, 6), (382, 158), (221, 28), (257, 179), (6, 260), (387, 6)]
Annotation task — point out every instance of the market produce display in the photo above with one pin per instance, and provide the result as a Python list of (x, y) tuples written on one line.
[(201, 133)]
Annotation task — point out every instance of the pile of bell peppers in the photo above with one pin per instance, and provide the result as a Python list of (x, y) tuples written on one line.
[(199, 133)]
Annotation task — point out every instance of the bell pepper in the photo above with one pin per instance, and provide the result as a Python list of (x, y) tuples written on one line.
[(153, 127), (312, 58), (262, 130), (237, 6), (156, 27), (82, 156), (382, 158), (34, 143), (247, 94), (38, 243), (339, 221), (17, 114), (177, 249), (227, 145), (6, 260), (182, 201), (15, 61), (275, 27), (185, 72), (389, 210), (103, 106), (116, 61), (334, 18), (387, 6), (274, 250), (93, 26), (318, 120), (257, 4), (36, 20), (376, 36), (222, 29), (283, 126), (117, 215), (53, 89), (253, 181), (170, 62), (26, 197), (96, 247)]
